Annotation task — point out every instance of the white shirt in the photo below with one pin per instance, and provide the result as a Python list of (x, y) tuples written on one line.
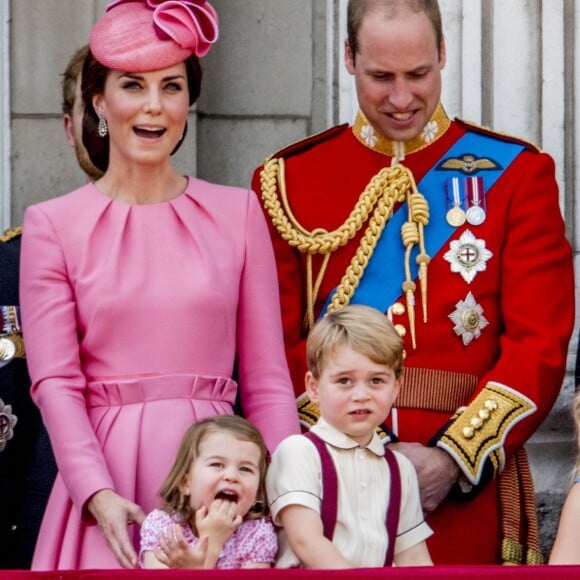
[(364, 483)]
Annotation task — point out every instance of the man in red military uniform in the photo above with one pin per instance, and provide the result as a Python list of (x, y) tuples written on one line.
[(455, 232)]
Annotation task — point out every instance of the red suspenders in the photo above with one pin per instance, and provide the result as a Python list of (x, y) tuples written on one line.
[(329, 504)]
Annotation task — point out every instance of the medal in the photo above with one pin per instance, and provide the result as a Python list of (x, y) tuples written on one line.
[(7, 422), (7, 350), (9, 319), (475, 214), (468, 256), (468, 319), (455, 215)]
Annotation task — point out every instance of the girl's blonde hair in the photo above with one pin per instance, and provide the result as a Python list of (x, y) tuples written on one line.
[(363, 329), (174, 501)]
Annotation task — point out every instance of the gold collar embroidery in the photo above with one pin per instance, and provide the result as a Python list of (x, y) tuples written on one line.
[(369, 137)]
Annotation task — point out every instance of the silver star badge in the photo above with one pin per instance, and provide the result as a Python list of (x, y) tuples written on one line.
[(7, 422), (468, 256), (469, 319)]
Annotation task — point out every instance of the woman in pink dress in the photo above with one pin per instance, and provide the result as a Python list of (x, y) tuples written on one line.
[(140, 291)]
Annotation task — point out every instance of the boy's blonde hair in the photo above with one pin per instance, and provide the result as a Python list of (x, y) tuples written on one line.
[(363, 329), (174, 501)]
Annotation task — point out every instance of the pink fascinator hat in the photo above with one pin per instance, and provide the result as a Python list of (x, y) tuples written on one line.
[(147, 35)]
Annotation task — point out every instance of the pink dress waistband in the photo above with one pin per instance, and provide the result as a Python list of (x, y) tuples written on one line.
[(115, 392)]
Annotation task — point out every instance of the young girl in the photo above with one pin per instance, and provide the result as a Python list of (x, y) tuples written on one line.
[(566, 549), (214, 502)]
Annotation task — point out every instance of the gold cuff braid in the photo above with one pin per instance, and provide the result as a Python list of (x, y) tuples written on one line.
[(479, 431)]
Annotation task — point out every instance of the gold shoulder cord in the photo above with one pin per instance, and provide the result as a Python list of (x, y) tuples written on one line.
[(375, 205), (10, 234)]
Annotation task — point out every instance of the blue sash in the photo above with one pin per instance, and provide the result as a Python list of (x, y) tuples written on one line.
[(380, 285)]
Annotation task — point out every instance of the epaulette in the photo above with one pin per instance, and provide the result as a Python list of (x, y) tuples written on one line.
[(309, 142), (497, 134), (11, 234)]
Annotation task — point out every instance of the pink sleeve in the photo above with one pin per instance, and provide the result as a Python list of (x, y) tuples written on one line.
[(266, 390), (50, 331), (155, 521)]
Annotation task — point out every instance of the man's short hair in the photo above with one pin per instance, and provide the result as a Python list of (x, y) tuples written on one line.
[(70, 77), (358, 8)]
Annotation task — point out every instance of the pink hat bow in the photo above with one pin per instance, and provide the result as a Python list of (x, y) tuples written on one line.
[(191, 24)]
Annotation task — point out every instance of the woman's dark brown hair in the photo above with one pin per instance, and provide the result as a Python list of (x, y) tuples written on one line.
[(93, 77)]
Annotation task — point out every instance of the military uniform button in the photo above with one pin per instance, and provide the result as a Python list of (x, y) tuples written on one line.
[(468, 432), (401, 330), (491, 405), (484, 414), (476, 423), (398, 309)]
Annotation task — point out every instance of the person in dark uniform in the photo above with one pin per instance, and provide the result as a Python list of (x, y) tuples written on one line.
[(27, 467)]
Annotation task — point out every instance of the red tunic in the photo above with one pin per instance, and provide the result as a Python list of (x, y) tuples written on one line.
[(525, 292)]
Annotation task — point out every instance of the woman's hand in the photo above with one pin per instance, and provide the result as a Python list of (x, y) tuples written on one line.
[(113, 514)]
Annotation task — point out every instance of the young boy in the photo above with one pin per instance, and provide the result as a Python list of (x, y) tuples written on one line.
[(355, 361)]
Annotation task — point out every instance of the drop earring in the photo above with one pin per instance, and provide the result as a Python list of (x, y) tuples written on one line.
[(103, 129)]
